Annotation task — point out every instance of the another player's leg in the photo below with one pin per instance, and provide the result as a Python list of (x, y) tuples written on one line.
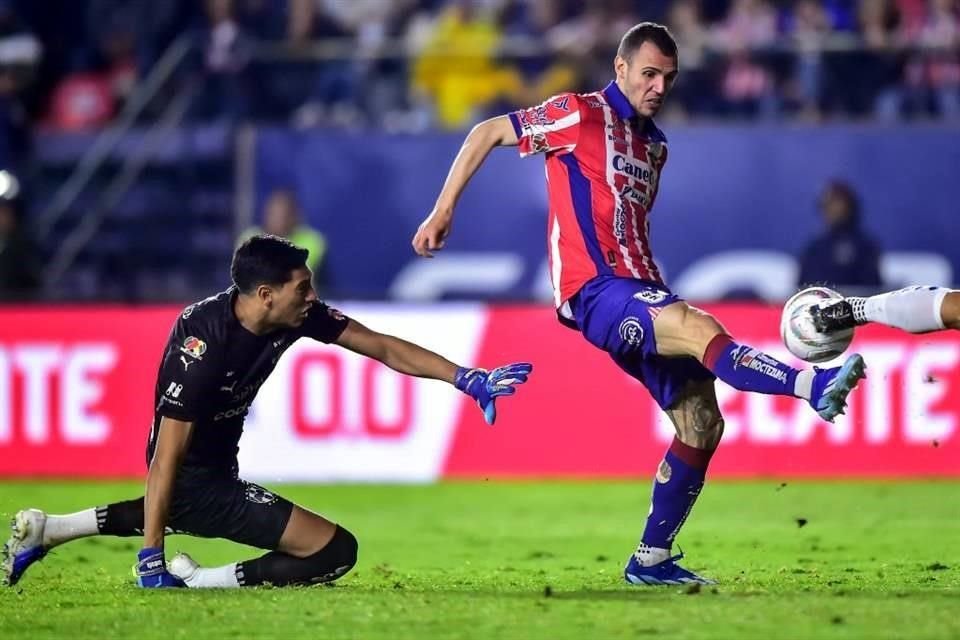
[(306, 548), (918, 309), (34, 532), (678, 482), (682, 330)]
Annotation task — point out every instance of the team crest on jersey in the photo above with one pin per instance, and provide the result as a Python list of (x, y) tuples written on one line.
[(655, 151), (194, 347), (258, 495), (631, 331), (539, 143), (562, 103)]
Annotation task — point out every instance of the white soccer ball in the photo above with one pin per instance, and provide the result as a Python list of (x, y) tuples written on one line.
[(801, 337)]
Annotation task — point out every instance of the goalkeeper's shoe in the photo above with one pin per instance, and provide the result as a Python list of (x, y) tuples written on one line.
[(25, 545), (664, 573), (833, 316)]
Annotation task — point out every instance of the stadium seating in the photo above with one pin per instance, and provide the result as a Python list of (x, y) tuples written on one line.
[(169, 236)]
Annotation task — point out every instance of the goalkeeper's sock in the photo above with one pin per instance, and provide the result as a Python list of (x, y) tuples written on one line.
[(676, 487), (913, 309), (60, 529), (196, 577), (748, 369), (224, 577), (121, 518), (116, 519)]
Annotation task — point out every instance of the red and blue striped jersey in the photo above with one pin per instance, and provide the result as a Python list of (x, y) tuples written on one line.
[(603, 166)]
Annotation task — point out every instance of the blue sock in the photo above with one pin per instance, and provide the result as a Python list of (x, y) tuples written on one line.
[(749, 369), (678, 483)]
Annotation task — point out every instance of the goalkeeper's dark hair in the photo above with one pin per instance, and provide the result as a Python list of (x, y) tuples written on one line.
[(658, 34), (265, 259)]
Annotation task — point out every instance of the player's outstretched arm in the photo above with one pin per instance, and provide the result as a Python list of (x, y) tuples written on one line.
[(411, 359), (172, 441), (491, 133)]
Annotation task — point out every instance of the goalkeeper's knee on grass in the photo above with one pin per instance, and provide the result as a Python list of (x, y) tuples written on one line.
[(281, 569)]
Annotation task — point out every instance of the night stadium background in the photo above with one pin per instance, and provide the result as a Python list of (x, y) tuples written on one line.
[(140, 141)]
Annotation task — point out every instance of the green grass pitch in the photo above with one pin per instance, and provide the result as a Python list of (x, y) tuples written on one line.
[(535, 560)]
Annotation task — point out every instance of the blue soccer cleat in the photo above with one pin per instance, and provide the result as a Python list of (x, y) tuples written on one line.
[(664, 573), (25, 545), (828, 396)]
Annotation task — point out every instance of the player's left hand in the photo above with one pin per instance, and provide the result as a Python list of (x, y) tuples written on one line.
[(151, 570), (486, 386)]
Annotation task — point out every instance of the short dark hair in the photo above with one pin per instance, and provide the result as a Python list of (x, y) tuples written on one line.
[(658, 34), (265, 259)]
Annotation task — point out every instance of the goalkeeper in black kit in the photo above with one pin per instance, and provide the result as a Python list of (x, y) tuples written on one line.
[(220, 351)]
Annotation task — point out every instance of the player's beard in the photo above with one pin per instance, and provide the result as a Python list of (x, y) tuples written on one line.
[(650, 106)]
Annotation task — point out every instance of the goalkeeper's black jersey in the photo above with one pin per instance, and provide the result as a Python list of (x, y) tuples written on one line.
[(212, 368)]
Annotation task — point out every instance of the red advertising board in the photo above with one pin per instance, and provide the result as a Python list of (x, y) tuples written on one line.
[(76, 394), (76, 389), (581, 415)]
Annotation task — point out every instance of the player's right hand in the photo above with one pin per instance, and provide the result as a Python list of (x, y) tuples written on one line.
[(151, 570), (433, 232)]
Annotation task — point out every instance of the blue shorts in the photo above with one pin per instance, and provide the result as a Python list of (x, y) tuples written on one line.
[(616, 314)]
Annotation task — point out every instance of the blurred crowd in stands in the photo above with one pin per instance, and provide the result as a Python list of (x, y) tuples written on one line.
[(414, 64)]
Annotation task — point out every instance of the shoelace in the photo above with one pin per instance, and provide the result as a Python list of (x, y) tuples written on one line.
[(679, 555)]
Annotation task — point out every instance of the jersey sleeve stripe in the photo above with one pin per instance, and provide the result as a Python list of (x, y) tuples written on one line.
[(515, 121)]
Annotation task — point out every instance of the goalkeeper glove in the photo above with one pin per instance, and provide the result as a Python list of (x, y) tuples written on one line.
[(486, 386), (151, 570)]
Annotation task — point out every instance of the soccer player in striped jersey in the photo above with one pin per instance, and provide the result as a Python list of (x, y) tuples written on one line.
[(604, 159)]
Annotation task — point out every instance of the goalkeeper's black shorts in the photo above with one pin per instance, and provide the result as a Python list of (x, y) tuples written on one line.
[(217, 504)]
